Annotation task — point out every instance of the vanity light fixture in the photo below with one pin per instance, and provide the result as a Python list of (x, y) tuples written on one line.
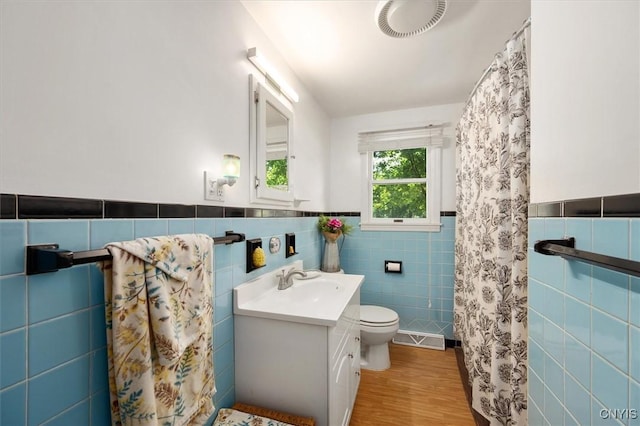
[(271, 74), (214, 188)]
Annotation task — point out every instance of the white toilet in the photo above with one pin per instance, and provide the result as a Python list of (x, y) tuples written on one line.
[(378, 325)]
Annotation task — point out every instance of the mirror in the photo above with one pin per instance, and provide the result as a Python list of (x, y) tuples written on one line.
[(277, 149), (271, 145)]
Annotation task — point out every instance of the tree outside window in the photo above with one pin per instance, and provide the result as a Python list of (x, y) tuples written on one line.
[(399, 184), (277, 173)]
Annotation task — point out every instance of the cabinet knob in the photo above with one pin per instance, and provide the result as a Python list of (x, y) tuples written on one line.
[(357, 338), (351, 356), (357, 373)]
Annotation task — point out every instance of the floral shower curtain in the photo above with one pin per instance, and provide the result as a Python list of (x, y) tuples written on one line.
[(490, 286)]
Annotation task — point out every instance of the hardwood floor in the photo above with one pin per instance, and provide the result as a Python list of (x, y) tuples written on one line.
[(421, 388)]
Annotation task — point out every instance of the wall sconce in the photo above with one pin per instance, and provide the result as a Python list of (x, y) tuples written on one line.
[(231, 167), (214, 188), (271, 74)]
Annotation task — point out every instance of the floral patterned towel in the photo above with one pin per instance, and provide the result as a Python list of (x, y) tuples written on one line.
[(231, 417), (159, 313)]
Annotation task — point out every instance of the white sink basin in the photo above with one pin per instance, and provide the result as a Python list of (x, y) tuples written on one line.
[(316, 290), (319, 300)]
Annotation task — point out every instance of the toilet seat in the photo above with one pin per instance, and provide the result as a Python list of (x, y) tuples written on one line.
[(377, 316)]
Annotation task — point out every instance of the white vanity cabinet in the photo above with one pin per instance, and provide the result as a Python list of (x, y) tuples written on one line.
[(344, 363), (300, 368)]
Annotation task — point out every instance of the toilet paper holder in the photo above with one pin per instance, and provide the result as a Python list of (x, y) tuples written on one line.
[(393, 266)]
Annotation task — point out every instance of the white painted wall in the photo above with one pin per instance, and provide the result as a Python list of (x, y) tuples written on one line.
[(585, 99), (134, 100), (344, 192)]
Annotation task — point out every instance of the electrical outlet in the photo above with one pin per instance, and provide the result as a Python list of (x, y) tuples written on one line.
[(212, 191)]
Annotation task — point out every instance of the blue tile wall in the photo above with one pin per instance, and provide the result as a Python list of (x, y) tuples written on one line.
[(423, 294), (584, 327), (53, 367), (14, 238)]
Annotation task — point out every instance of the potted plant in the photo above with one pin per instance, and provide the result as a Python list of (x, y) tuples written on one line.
[(332, 229)]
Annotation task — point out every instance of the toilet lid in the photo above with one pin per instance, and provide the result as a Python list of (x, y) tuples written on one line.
[(377, 315)]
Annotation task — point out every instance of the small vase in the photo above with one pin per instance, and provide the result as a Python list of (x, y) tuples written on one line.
[(331, 255)]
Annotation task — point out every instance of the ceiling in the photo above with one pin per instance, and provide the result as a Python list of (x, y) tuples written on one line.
[(337, 51)]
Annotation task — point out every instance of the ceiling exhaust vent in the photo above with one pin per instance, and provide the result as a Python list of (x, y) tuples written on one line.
[(408, 18)]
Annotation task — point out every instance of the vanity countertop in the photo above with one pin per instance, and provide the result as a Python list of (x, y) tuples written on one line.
[(318, 301)]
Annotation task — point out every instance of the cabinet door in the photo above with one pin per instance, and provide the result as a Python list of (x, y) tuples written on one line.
[(354, 373), (340, 403)]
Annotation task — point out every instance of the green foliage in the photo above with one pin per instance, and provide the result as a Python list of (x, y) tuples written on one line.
[(399, 200), (400, 164), (277, 173)]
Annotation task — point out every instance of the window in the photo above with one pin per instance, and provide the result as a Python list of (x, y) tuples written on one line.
[(401, 183)]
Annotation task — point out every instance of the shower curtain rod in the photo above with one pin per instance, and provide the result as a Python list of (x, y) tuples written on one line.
[(44, 258), (484, 75)]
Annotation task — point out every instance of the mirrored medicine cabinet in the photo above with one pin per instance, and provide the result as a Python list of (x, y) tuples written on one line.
[(271, 145)]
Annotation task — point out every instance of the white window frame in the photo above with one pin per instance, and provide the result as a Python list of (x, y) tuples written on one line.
[(429, 137)]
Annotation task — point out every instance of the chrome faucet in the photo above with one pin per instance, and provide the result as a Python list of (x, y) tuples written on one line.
[(286, 280)]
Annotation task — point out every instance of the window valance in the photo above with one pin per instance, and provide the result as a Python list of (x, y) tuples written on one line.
[(404, 138)]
